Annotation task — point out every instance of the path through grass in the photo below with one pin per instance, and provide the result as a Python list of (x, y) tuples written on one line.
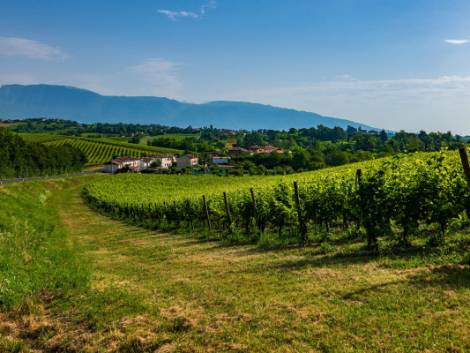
[(192, 296), (154, 292)]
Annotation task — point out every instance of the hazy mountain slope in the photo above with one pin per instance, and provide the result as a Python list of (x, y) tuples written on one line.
[(18, 101)]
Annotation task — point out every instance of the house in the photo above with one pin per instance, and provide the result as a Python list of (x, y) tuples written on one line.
[(147, 161), (162, 161), (134, 164), (265, 149), (220, 160), (187, 161), (237, 151), (166, 161)]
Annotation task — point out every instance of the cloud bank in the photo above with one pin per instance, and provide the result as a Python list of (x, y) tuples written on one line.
[(31, 49)]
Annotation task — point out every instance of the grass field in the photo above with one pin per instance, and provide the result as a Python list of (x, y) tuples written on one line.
[(42, 137), (119, 142), (169, 136), (155, 292)]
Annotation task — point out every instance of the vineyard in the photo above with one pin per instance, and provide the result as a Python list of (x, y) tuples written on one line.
[(394, 197), (99, 150)]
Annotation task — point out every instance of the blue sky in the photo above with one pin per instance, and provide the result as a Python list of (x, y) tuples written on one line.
[(396, 64)]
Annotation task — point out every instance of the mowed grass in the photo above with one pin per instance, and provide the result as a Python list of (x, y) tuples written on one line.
[(154, 292)]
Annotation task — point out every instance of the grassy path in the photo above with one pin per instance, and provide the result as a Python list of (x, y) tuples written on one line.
[(167, 293)]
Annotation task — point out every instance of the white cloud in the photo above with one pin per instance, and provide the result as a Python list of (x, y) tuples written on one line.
[(161, 74), (456, 41), (22, 47), (173, 15)]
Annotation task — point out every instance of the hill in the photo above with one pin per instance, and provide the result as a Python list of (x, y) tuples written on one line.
[(99, 150), (19, 101)]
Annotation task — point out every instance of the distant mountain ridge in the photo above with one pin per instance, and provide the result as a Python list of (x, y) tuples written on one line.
[(52, 101)]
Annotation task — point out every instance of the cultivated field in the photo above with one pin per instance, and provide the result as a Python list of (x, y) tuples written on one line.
[(101, 285), (99, 150), (393, 199)]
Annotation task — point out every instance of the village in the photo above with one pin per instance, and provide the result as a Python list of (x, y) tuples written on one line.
[(163, 163)]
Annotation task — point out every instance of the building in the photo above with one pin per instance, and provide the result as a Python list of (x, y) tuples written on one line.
[(237, 151), (220, 160), (166, 161), (132, 163), (162, 161), (187, 161), (265, 149)]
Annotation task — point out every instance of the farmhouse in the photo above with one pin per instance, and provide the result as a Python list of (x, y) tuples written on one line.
[(138, 164), (119, 163), (187, 161), (162, 161)]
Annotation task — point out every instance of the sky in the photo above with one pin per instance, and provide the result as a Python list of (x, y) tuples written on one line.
[(392, 64)]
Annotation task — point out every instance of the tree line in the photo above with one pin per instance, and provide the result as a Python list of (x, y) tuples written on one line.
[(21, 159), (305, 149), (73, 128)]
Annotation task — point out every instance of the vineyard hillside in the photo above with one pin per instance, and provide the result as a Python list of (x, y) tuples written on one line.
[(386, 200), (146, 189), (99, 150)]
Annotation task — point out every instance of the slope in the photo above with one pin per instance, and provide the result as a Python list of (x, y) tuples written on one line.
[(17, 101)]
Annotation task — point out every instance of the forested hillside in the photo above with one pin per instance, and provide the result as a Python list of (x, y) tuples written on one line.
[(24, 159)]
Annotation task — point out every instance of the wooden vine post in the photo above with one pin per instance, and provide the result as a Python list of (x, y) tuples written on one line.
[(466, 168), (358, 178), (255, 207), (302, 226), (227, 212), (358, 188), (206, 211), (465, 164)]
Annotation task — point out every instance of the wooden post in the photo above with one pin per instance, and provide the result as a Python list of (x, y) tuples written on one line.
[(358, 178), (302, 226), (206, 211), (466, 168), (255, 207), (465, 164), (358, 188), (227, 211)]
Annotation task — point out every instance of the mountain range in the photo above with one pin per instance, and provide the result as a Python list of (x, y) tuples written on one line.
[(53, 101)]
